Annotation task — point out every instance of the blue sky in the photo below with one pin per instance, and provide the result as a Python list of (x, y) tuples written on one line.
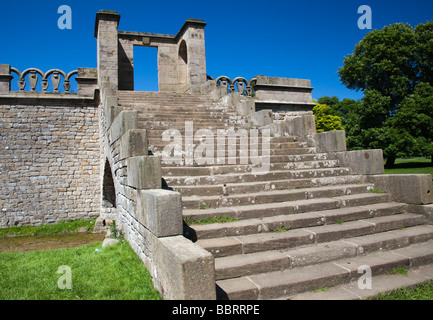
[(294, 39)]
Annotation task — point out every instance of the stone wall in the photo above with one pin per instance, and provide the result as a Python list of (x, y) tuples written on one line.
[(148, 216), (49, 169)]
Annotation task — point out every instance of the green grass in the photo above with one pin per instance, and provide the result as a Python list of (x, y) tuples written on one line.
[(422, 291), (57, 228), (418, 165), (115, 273), (210, 220)]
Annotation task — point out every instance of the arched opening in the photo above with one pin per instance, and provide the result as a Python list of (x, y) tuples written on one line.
[(108, 191), (183, 67)]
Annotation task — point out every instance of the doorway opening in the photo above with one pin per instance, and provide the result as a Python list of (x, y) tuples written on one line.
[(145, 68)]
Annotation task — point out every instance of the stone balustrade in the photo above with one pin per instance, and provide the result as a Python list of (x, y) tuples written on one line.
[(242, 85), (86, 79)]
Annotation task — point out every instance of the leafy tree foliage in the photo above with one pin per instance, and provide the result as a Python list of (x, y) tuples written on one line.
[(327, 119), (394, 69)]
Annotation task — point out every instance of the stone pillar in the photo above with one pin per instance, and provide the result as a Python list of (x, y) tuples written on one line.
[(5, 78), (87, 81), (191, 35), (106, 25)]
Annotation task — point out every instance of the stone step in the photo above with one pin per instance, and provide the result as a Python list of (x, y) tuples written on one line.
[(267, 261), (384, 283), (271, 196), (157, 140), (254, 160), (295, 221), (232, 156), (214, 170), (289, 282), (160, 145), (286, 208), (222, 179), (223, 247), (258, 186), (161, 108)]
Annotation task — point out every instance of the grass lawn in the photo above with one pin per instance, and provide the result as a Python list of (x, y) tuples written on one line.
[(411, 165), (115, 273)]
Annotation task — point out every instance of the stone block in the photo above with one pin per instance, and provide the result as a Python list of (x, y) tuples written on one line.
[(408, 188), (126, 120), (144, 172), (283, 89), (301, 126), (426, 210), (260, 118), (247, 106), (185, 270), (5, 78), (160, 211), (368, 162), (331, 141), (134, 143)]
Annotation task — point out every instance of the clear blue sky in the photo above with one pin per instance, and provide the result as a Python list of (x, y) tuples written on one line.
[(294, 39)]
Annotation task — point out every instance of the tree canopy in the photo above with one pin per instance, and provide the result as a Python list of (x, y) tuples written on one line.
[(394, 69)]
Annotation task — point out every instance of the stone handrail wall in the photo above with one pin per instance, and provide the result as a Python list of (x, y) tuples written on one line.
[(33, 79)]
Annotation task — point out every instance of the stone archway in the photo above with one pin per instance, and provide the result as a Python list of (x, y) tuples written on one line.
[(108, 191), (183, 67)]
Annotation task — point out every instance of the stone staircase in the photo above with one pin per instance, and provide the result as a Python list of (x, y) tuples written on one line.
[(307, 224)]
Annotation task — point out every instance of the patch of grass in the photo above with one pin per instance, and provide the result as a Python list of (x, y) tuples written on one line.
[(281, 228), (321, 289), (115, 273), (418, 165), (210, 220), (203, 206), (422, 291), (44, 229), (401, 271), (376, 190)]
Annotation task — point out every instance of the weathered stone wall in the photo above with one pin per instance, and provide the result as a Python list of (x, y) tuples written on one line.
[(49, 168)]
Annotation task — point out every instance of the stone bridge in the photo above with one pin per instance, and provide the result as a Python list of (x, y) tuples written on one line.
[(297, 201)]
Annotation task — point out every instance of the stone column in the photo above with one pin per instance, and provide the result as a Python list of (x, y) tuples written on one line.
[(192, 33), (106, 25), (5, 78)]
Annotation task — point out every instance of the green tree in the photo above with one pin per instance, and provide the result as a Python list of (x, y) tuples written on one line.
[(326, 118), (387, 65), (414, 121)]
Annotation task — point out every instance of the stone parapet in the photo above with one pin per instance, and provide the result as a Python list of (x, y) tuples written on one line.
[(416, 189), (185, 270), (364, 162)]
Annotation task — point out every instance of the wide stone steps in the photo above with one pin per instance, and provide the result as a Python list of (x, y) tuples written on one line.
[(270, 196), (259, 186), (222, 179), (252, 243), (226, 169), (347, 247), (287, 207), (278, 284), (296, 221), (302, 224)]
